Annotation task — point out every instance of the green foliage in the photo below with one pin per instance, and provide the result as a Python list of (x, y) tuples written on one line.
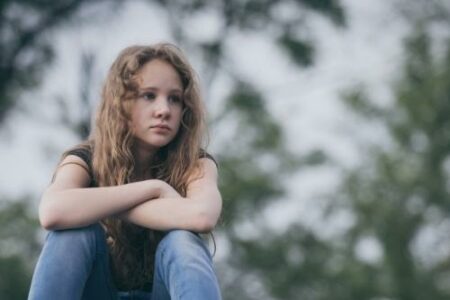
[(249, 186), (19, 247), (15, 278), (299, 265), (399, 192), (253, 167), (356, 98), (300, 51), (395, 197), (15, 220), (331, 8), (25, 52), (255, 16)]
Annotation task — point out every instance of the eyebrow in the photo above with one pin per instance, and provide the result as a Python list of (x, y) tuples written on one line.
[(151, 88)]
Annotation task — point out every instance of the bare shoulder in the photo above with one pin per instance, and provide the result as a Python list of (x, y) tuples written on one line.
[(205, 180), (72, 172), (208, 168)]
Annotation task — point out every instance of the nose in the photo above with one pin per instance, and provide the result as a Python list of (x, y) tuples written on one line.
[(162, 109)]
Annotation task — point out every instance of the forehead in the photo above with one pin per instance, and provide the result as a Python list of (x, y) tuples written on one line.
[(159, 74)]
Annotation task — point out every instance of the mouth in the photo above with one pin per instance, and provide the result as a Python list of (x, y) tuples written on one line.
[(161, 127)]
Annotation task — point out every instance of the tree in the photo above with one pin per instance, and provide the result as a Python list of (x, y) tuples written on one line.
[(25, 53), (398, 200), (24, 46), (400, 196), (19, 245)]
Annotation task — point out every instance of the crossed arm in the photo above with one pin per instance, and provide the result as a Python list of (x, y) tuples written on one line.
[(68, 203)]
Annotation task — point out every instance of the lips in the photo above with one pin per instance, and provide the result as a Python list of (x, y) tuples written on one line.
[(161, 126)]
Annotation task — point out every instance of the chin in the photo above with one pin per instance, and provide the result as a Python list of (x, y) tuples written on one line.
[(159, 143)]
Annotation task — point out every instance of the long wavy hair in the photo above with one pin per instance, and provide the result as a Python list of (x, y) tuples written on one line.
[(133, 247)]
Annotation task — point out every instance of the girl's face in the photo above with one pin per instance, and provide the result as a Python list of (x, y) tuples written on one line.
[(157, 112)]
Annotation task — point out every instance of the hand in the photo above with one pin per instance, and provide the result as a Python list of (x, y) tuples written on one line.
[(164, 190), (167, 191), (157, 189)]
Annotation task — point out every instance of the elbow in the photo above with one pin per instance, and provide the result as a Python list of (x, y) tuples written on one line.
[(48, 215), (47, 222), (47, 218), (205, 223), (48, 225)]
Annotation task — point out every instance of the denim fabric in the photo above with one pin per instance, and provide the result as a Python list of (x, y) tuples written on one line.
[(184, 269), (135, 295), (74, 264)]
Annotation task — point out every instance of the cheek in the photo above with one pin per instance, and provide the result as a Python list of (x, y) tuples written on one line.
[(179, 116), (135, 123), (131, 126), (132, 121), (137, 114)]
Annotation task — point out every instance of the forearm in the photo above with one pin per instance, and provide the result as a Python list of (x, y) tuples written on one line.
[(198, 211), (70, 208), (172, 213)]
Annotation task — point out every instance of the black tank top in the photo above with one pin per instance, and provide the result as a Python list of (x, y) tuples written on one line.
[(86, 155)]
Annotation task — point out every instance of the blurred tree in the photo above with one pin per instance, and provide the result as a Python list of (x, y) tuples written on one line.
[(398, 199), (400, 196), (19, 245), (25, 50), (283, 21)]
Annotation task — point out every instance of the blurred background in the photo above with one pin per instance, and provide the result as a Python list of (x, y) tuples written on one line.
[(329, 119)]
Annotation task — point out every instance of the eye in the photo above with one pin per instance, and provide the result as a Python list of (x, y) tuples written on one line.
[(176, 99), (148, 96)]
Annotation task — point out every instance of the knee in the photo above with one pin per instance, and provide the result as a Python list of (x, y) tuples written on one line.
[(182, 245), (88, 236)]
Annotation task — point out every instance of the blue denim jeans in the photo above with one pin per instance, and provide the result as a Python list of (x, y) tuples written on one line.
[(74, 264)]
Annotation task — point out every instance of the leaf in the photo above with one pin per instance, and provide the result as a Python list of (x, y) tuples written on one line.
[(300, 51)]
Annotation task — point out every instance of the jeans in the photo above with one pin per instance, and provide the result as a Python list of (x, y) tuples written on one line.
[(74, 264)]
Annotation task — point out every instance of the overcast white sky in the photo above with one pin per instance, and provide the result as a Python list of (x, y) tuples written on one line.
[(305, 101)]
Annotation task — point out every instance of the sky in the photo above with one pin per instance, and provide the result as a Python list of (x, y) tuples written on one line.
[(306, 101)]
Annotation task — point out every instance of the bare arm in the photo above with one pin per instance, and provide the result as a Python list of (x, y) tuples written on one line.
[(69, 203), (198, 211)]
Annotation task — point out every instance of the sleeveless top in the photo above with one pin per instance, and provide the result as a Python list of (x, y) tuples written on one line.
[(86, 156)]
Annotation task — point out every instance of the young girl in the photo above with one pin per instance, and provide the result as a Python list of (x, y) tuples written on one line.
[(125, 208)]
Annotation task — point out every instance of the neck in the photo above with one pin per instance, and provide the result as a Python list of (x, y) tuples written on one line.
[(143, 158)]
